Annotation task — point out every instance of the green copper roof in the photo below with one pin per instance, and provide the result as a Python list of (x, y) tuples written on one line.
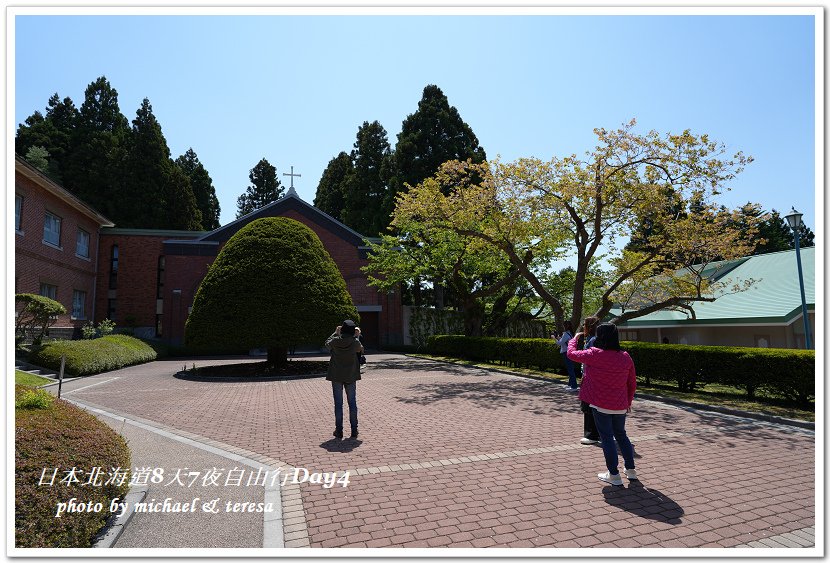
[(773, 298)]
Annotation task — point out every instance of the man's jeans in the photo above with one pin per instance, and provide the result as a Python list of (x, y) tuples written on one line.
[(571, 369), (351, 397), (612, 426)]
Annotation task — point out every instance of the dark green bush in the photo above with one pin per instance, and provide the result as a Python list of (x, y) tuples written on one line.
[(62, 436), (88, 357), (36, 316), (787, 373)]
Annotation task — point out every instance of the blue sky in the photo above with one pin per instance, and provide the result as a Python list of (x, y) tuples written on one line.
[(294, 89)]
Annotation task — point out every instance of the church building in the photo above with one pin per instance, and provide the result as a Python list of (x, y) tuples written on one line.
[(146, 280)]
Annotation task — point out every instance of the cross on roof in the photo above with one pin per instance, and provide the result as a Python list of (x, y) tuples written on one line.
[(292, 178)]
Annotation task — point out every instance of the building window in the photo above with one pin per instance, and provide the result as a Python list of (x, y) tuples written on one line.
[(52, 229), (82, 246), (114, 268), (18, 211), (111, 309), (160, 279), (78, 304), (49, 290)]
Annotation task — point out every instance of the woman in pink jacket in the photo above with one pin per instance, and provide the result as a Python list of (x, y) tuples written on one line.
[(608, 387)]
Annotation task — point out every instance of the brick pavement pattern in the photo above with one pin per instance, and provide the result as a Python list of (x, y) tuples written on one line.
[(456, 456)]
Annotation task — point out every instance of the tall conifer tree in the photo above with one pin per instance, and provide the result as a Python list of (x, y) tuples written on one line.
[(202, 186), (330, 191), (365, 187), (265, 188)]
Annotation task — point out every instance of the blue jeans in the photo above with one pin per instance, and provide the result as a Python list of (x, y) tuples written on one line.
[(612, 426), (571, 369), (351, 396)]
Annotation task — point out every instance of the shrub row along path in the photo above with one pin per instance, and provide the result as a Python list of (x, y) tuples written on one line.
[(458, 456)]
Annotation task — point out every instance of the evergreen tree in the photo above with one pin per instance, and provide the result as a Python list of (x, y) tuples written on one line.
[(203, 190), (52, 132), (365, 187), (432, 135), (330, 195), (180, 208), (779, 236), (38, 157), (265, 188), (94, 169)]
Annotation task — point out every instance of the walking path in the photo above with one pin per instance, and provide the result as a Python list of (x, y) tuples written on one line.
[(448, 456)]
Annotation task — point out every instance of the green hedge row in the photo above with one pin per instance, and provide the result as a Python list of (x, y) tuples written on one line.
[(88, 357), (61, 436), (783, 372)]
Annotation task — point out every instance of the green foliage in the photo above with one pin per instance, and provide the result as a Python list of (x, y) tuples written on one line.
[(33, 399), (29, 379), (424, 322), (37, 315), (364, 189), (330, 196), (89, 331), (273, 285), (202, 187), (62, 436), (787, 373), (265, 188), (88, 357), (542, 353), (39, 158)]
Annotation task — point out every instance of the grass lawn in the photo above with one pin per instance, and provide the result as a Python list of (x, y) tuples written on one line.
[(712, 394), (29, 380)]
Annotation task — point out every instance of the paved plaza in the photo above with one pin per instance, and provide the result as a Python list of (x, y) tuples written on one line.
[(449, 456)]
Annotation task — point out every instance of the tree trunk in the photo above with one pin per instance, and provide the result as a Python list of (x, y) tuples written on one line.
[(277, 357), (473, 318)]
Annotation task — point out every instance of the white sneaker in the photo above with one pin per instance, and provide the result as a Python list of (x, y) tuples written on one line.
[(631, 474), (588, 441), (608, 478)]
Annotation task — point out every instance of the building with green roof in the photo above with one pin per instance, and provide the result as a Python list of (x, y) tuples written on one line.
[(767, 315)]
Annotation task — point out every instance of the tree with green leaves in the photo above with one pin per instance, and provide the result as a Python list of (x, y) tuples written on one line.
[(202, 187), (53, 133), (429, 137), (35, 317), (774, 234), (365, 186), (330, 196), (273, 285), (94, 170), (265, 188), (158, 194), (537, 212)]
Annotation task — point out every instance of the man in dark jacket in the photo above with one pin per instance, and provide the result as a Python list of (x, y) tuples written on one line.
[(344, 371)]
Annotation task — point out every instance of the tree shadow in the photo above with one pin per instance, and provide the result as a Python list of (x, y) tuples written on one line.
[(644, 502), (341, 446)]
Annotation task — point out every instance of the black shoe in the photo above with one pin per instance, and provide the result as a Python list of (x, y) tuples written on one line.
[(354, 434), (338, 434)]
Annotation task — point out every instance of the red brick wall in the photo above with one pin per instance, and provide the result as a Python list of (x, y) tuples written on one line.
[(37, 262)]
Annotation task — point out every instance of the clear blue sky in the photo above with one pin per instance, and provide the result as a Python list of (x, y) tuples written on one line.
[(294, 89)]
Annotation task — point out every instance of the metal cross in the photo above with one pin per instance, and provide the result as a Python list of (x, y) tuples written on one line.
[(292, 176)]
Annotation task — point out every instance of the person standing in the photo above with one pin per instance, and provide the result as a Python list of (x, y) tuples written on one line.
[(563, 349), (344, 372), (609, 390), (590, 434)]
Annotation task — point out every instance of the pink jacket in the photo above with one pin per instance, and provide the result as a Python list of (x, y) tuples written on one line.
[(611, 381)]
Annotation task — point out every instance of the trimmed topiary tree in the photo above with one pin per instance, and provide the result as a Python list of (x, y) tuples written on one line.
[(37, 315), (272, 286)]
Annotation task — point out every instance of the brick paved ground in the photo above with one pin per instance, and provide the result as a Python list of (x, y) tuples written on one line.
[(463, 457)]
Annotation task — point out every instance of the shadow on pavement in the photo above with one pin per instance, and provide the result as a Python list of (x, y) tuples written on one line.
[(642, 501), (343, 446)]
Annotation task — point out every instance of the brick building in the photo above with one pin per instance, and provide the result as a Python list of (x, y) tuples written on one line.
[(56, 246), (146, 279)]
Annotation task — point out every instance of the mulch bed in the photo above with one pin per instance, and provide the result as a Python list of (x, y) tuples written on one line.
[(258, 370)]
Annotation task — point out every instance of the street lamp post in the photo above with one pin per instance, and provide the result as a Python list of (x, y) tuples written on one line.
[(794, 221)]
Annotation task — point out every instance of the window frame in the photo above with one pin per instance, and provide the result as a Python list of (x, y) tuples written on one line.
[(59, 220), (78, 241), (18, 214), (54, 294), (82, 316)]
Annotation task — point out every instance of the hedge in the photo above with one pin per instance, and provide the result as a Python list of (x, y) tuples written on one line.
[(61, 436), (784, 372), (88, 357)]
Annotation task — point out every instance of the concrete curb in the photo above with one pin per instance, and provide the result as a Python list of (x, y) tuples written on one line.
[(668, 400), (114, 529)]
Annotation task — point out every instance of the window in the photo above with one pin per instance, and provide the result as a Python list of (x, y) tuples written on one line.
[(114, 268), (78, 304), (49, 290), (52, 229), (18, 211), (160, 279), (82, 246)]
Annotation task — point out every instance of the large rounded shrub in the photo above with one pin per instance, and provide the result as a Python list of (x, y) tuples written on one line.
[(272, 286), (51, 435)]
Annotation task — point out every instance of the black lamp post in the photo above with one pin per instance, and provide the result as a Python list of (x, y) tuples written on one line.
[(794, 221)]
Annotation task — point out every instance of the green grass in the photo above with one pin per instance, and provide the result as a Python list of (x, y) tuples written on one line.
[(29, 380), (712, 394)]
